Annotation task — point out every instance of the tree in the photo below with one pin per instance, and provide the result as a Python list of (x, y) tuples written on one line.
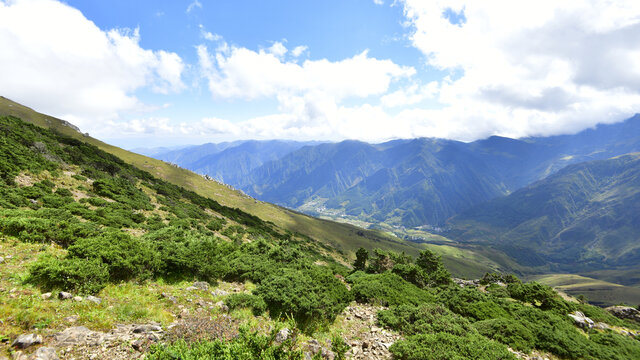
[(429, 261), (362, 255)]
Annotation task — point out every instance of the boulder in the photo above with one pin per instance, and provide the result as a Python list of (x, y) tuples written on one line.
[(1, 259), (46, 296), (201, 285), (94, 299), (45, 353), (624, 312), (77, 298), (64, 295), (581, 320), (24, 341), (147, 328)]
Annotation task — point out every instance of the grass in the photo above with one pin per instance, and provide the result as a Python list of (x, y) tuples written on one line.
[(596, 291)]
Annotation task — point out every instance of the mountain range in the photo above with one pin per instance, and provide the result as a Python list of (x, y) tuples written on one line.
[(411, 183)]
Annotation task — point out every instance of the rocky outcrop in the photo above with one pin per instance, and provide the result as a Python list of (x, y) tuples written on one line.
[(624, 312), (581, 320)]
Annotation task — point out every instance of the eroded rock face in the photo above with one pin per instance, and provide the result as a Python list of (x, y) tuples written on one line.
[(624, 312)]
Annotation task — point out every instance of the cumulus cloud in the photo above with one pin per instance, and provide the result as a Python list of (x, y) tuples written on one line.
[(193, 5), (527, 68), (63, 64)]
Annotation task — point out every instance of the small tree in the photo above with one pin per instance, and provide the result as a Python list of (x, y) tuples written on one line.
[(362, 255)]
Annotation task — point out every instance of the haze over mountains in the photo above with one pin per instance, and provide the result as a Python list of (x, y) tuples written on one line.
[(408, 183)]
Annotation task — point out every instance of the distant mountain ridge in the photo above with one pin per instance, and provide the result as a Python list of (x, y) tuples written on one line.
[(584, 217), (410, 182)]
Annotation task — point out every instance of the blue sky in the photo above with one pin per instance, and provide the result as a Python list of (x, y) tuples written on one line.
[(162, 73)]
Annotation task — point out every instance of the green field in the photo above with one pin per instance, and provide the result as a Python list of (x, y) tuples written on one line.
[(596, 291)]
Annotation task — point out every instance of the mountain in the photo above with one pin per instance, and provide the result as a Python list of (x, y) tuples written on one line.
[(342, 237), (585, 217)]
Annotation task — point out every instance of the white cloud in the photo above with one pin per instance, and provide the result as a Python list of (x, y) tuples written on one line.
[(527, 68), (378, 2), (410, 95), (208, 35), (236, 72), (299, 50), (61, 63), (193, 5)]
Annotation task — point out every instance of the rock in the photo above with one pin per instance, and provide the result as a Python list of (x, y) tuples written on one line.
[(71, 319), (222, 306), (77, 298), (45, 353), (64, 295), (147, 328), (169, 297), (94, 299), (581, 320), (219, 292), (46, 296), (1, 259), (601, 326), (624, 312), (201, 285), (24, 341), (138, 345), (282, 335)]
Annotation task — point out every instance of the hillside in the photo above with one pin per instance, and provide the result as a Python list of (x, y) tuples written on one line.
[(583, 218), (342, 237), (101, 259)]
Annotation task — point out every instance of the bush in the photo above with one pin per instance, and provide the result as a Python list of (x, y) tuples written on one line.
[(125, 257), (314, 297), (539, 295), (469, 301), (87, 276), (255, 303), (387, 289), (451, 347), (508, 332), (424, 319), (247, 346)]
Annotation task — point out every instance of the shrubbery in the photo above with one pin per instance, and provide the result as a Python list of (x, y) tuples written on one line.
[(386, 289), (442, 345)]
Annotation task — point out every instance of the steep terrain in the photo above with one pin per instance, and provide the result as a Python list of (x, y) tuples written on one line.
[(585, 217), (420, 182), (342, 237)]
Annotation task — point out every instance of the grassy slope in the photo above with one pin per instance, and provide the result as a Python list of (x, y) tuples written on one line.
[(345, 238), (598, 292)]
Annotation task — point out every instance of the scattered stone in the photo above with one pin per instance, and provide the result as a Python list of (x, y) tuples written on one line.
[(64, 295), (222, 306), (24, 341), (201, 285), (463, 282), (46, 296), (45, 353), (138, 345), (581, 320), (77, 298), (282, 335), (94, 299), (169, 297), (71, 319), (218, 292), (147, 328), (624, 312)]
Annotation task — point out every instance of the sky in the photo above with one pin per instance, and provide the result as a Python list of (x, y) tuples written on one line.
[(174, 72)]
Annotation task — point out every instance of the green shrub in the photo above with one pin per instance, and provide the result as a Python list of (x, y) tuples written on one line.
[(424, 319), (539, 295), (442, 346), (80, 275), (255, 303), (313, 296), (387, 289), (508, 332), (470, 302), (247, 346), (125, 257)]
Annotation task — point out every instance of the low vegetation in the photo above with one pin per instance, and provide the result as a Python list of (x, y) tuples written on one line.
[(83, 221)]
